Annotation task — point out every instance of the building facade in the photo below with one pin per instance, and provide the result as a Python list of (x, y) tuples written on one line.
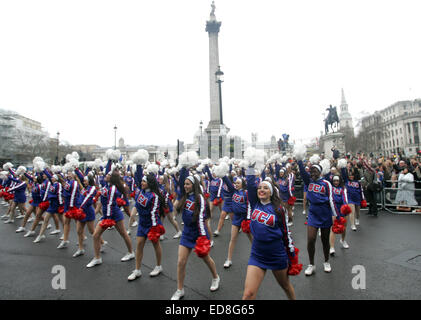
[(395, 129), (21, 138)]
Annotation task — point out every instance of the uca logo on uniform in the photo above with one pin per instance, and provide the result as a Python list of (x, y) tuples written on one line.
[(316, 188), (237, 198), (142, 200), (189, 205), (263, 218)]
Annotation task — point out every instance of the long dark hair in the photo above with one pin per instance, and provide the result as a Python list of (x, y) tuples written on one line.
[(197, 194), (154, 187), (115, 179)]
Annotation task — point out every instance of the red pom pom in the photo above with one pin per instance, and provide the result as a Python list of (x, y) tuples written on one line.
[(245, 226), (78, 214), (166, 210), (339, 226), (294, 270), (207, 195), (202, 247), (154, 233), (364, 204), (60, 209), (215, 202), (30, 201), (132, 194), (8, 196), (291, 200), (171, 197), (294, 267), (346, 209), (107, 223), (161, 229), (220, 200), (121, 202), (44, 205)]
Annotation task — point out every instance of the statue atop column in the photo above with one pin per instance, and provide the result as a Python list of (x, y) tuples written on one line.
[(213, 8)]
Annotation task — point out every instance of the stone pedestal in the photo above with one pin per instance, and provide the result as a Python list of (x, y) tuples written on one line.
[(218, 142), (329, 140)]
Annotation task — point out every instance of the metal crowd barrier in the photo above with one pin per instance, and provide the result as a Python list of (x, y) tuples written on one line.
[(387, 199)]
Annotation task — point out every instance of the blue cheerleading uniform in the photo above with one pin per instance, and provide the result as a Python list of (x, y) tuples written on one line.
[(354, 189), (19, 191), (130, 183), (215, 185), (110, 209), (320, 196), (87, 203), (45, 186), (272, 245), (240, 204), (166, 195), (227, 196), (340, 196), (71, 195), (147, 205), (54, 196), (36, 195), (192, 229)]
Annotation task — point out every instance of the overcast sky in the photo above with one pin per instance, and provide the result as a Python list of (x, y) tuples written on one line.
[(80, 67)]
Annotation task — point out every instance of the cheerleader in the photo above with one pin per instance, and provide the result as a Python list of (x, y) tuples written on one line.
[(227, 204), (19, 199), (355, 194), (195, 234), (285, 180), (322, 208), (150, 204), (112, 216), (130, 183), (272, 247), (164, 187), (72, 200), (42, 188), (99, 181), (54, 196), (340, 197), (241, 211), (124, 202), (35, 189), (88, 193), (7, 184), (215, 189)]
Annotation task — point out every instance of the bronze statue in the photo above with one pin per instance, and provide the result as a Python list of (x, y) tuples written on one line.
[(213, 8), (331, 119)]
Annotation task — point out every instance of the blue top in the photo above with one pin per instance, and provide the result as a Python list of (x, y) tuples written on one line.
[(266, 225)]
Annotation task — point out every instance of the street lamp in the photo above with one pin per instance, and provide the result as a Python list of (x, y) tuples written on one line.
[(58, 136), (219, 79), (115, 137)]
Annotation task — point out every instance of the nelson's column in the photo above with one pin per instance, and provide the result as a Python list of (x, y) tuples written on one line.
[(216, 142)]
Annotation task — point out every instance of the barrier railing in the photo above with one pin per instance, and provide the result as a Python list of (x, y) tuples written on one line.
[(391, 199)]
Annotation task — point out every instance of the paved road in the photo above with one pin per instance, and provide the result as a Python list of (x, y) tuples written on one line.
[(383, 245)]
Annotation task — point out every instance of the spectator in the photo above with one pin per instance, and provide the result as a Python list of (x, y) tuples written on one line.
[(405, 198)]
